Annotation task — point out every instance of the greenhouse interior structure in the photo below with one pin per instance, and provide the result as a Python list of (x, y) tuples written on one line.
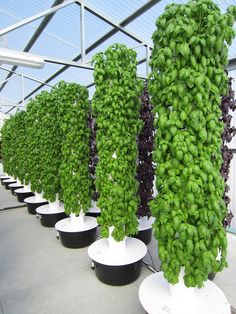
[(118, 156)]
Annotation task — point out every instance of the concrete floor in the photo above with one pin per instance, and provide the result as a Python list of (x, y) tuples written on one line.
[(40, 276)]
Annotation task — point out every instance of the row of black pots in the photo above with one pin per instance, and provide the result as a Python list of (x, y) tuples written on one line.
[(49, 220), (70, 240), (2, 178), (6, 182), (109, 274)]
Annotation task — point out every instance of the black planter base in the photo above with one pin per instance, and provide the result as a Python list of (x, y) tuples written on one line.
[(211, 276), (13, 188), (144, 235), (93, 214), (49, 220), (32, 207), (22, 196), (118, 275), (117, 263), (6, 184), (76, 240), (4, 178)]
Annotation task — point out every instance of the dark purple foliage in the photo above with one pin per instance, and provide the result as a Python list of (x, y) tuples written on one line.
[(145, 169), (93, 155), (227, 103)]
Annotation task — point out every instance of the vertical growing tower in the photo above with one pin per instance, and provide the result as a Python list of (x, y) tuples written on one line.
[(187, 82), (116, 109)]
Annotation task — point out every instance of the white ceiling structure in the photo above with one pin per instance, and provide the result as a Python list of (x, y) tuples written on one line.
[(67, 33)]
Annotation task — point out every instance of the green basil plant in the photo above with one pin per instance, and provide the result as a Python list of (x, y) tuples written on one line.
[(7, 148), (34, 142), (116, 107), (20, 148), (75, 179), (50, 146), (186, 85)]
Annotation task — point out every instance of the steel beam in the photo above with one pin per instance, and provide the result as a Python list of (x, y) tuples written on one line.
[(7, 104), (69, 63), (12, 108), (8, 79), (111, 22), (22, 84), (25, 75), (102, 39), (34, 38), (36, 17)]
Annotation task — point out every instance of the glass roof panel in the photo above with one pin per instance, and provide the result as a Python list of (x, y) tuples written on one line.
[(61, 37)]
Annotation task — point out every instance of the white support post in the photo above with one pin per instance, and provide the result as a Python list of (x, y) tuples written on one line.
[(23, 90), (4, 81), (147, 60), (82, 33)]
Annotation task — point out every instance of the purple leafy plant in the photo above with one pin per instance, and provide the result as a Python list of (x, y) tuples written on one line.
[(228, 104), (145, 169), (93, 155)]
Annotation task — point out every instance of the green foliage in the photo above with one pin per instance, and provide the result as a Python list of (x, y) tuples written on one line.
[(186, 84), (50, 145), (116, 108), (14, 148), (20, 148), (7, 150), (75, 180), (34, 142)]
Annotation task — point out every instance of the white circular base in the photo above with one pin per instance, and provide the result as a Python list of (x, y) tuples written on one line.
[(47, 210), (100, 252), (22, 190), (95, 210), (145, 223), (155, 298), (35, 200), (4, 177), (9, 180), (66, 225), (15, 185)]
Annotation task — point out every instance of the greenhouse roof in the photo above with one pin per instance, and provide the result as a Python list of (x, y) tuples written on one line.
[(67, 34)]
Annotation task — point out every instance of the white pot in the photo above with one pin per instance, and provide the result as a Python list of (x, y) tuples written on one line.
[(27, 187), (145, 223), (154, 295), (38, 196), (155, 192), (53, 205), (118, 247), (179, 291), (77, 220), (95, 207)]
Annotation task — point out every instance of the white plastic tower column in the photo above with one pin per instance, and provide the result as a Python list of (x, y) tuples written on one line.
[(114, 246)]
